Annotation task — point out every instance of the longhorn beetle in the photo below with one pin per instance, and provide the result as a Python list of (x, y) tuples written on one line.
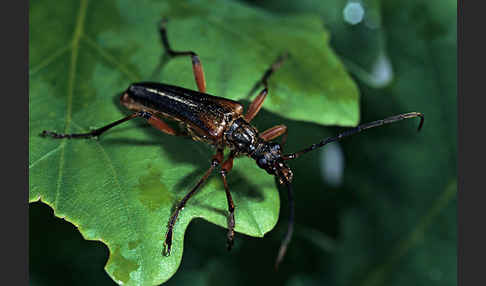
[(219, 122)]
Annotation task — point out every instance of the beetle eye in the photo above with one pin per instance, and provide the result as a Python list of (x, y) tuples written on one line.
[(262, 162)]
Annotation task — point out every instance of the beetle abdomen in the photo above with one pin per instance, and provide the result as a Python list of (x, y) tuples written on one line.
[(206, 114)]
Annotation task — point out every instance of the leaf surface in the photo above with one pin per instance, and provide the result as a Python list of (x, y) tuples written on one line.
[(122, 188)]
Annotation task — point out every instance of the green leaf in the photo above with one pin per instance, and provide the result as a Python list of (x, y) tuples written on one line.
[(121, 189), (361, 45)]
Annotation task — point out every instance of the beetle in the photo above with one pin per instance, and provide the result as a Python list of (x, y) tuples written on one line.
[(222, 123)]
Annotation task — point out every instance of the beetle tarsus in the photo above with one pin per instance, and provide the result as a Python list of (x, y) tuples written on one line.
[(167, 243), (56, 135), (231, 231)]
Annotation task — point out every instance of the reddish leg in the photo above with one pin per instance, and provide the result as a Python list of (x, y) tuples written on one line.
[(256, 105), (196, 63), (168, 237), (225, 169), (152, 120), (161, 125), (258, 101), (275, 66), (274, 132)]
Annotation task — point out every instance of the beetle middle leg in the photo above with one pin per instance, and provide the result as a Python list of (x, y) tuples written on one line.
[(196, 62), (225, 169), (257, 103), (151, 119)]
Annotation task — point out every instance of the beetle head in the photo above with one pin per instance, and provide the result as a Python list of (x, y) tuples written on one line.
[(268, 156)]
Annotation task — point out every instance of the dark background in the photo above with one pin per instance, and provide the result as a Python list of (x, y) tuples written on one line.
[(389, 220)]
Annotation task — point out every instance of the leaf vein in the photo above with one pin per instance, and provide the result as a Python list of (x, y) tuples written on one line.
[(78, 30), (45, 156), (244, 36), (111, 59), (54, 56), (118, 184)]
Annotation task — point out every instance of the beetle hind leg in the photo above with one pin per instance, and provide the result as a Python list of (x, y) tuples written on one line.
[(151, 119)]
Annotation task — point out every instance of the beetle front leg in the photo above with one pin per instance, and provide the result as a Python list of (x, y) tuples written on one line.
[(196, 62), (257, 103), (273, 132)]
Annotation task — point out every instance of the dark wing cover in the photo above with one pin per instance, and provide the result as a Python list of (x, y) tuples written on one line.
[(208, 114)]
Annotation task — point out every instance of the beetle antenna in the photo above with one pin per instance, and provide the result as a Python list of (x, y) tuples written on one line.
[(358, 129), (290, 226)]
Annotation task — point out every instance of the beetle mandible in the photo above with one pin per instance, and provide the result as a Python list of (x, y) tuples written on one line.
[(219, 122)]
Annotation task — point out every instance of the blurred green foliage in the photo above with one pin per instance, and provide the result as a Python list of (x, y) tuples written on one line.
[(392, 220)]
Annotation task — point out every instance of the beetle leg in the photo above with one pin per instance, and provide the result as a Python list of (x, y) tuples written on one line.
[(256, 104), (159, 124), (196, 62), (258, 101), (152, 120), (93, 133), (275, 66), (225, 168), (274, 132), (170, 229)]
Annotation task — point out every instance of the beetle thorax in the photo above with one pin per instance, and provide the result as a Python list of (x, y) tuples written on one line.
[(243, 139)]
